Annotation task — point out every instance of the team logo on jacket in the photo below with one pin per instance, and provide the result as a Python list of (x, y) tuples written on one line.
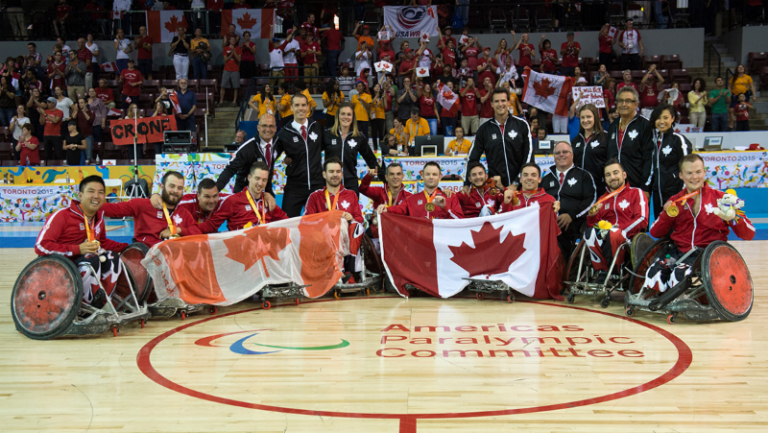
[(512, 134), (82, 226), (493, 136), (572, 181), (551, 184), (159, 214), (578, 144), (333, 142), (248, 207), (477, 204), (666, 150), (624, 204), (607, 206), (295, 139), (594, 144), (313, 136), (613, 136), (352, 144), (345, 204), (421, 202), (632, 134)]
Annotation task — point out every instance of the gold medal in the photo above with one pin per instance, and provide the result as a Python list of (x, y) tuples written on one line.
[(594, 209), (673, 210), (494, 191), (430, 207)]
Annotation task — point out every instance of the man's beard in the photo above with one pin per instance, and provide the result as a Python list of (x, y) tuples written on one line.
[(618, 185), (168, 199), (334, 182)]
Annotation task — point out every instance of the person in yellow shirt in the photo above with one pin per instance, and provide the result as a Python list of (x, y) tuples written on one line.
[(740, 83), (380, 105), (201, 54), (333, 97), (301, 87), (514, 100), (398, 132), (264, 102), (459, 146), (363, 104), (284, 105), (416, 126)]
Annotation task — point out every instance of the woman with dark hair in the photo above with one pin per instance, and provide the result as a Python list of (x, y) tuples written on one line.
[(740, 83), (590, 147), (697, 98), (333, 97), (380, 104), (264, 102), (74, 144), (669, 149), (84, 118), (427, 103), (548, 56), (7, 101), (345, 141), (362, 105)]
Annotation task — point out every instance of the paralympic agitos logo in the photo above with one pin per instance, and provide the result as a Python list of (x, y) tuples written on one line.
[(239, 346)]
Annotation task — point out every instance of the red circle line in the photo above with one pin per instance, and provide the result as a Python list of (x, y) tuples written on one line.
[(684, 360)]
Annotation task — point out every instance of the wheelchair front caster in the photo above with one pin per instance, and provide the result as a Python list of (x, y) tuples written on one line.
[(629, 311), (337, 294), (672, 318), (571, 298), (605, 302), (267, 305), (183, 315), (297, 301), (479, 295), (213, 310)]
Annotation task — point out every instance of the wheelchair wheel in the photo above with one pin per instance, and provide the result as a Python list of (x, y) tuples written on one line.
[(727, 281), (572, 269), (640, 244), (132, 257), (647, 258), (46, 297), (372, 260)]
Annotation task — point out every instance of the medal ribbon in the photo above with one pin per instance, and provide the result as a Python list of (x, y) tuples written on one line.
[(89, 229), (168, 219), (609, 196), (685, 198), (430, 197), (262, 219), (328, 200)]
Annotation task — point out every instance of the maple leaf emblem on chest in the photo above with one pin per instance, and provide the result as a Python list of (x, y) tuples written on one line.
[(512, 134), (666, 150), (572, 181), (313, 136), (177, 219), (632, 134), (624, 204), (543, 88), (246, 21), (345, 204), (594, 144), (709, 208), (352, 144)]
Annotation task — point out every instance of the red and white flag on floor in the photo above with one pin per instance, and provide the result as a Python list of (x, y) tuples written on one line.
[(109, 67), (174, 98), (547, 92), (256, 21), (226, 268), (438, 256), (162, 25), (446, 97)]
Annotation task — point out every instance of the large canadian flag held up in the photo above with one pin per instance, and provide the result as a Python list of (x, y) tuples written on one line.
[(439, 256), (256, 21), (547, 92), (162, 25)]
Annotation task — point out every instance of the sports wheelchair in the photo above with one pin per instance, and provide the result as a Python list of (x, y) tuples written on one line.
[(583, 279), (719, 288), (47, 301)]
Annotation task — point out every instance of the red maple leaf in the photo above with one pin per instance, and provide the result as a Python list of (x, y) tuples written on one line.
[(246, 21), (489, 256), (422, 71), (255, 244), (174, 24), (543, 88)]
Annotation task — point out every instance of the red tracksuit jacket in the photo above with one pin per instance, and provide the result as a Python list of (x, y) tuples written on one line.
[(689, 230), (64, 231), (415, 206), (347, 202), (236, 210), (627, 209), (148, 222), (379, 194), (472, 204), (541, 197), (189, 203)]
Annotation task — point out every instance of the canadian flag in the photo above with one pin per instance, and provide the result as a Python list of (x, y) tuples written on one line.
[(446, 97), (424, 37), (256, 21), (15, 77), (422, 72), (109, 67), (226, 268), (383, 66), (439, 256), (547, 92), (174, 101), (162, 25)]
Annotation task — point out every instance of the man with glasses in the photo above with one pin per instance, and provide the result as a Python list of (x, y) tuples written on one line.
[(185, 121), (630, 140), (574, 189)]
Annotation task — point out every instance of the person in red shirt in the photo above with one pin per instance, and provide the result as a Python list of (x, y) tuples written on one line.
[(527, 53), (385, 49), (627, 75), (333, 48), (447, 47), (201, 205), (649, 92), (448, 117), (391, 194), (231, 75), (548, 56), (486, 110), (469, 113), (432, 202), (310, 51), (132, 81), (247, 208), (80, 234), (570, 51), (52, 134), (606, 42), (530, 178), (63, 13), (486, 66), (57, 71), (28, 146), (407, 64), (144, 44), (150, 225), (696, 225), (622, 205), (105, 93), (470, 52), (248, 60), (427, 103), (741, 111), (480, 201)]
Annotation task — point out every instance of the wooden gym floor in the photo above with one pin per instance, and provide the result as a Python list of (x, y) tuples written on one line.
[(387, 364)]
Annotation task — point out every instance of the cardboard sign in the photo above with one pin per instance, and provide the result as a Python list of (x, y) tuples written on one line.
[(589, 95), (383, 66), (150, 129)]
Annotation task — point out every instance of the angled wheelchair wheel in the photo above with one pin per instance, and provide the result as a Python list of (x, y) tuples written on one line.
[(646, 259), (572, 269), (46, 297), (132, 257), (640, 244), (372, 260), (727, 281)]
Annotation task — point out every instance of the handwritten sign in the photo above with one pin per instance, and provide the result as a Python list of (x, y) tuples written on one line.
[(150, 129), (589, 95)]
